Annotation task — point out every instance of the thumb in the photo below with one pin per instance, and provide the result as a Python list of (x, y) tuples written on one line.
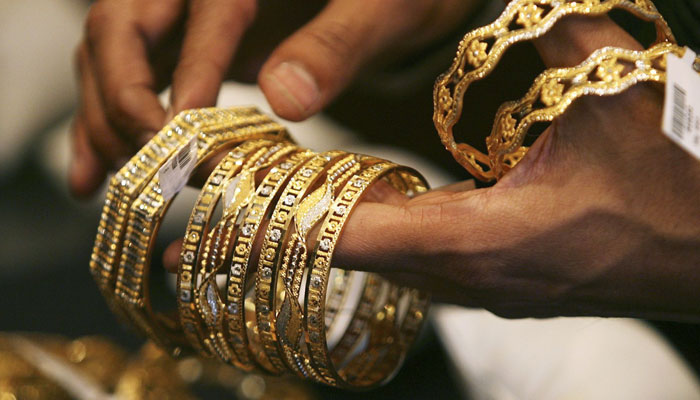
[(314, 64)]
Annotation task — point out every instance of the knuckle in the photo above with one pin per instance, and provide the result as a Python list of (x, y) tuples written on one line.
[(336, 39), (118, 106), (98, 16)]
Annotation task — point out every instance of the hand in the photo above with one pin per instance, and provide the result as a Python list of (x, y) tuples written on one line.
[(600, 218), (133, 49)]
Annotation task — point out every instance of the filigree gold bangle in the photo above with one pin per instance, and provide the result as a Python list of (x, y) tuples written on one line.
[(482, 48), (607, 71)]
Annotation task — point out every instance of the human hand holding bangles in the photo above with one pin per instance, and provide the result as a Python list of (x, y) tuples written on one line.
[(599, 218)]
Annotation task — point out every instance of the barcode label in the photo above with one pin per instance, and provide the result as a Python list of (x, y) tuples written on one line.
[(681, 120), (678, 121), (175, 173)]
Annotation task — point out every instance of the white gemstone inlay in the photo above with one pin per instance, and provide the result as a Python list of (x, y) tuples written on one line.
[(325, 244), (275, 235)]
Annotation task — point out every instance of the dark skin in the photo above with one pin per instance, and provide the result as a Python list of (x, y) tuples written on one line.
[(600, 218)]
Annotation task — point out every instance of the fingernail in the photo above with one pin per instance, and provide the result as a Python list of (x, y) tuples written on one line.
[(80, 177), (75, 172), (294, 85)]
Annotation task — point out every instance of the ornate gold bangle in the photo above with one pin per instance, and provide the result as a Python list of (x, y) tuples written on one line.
[(482, 48), (240, 158), (317, 282), (376, 315), (288, 314), (143, 221), (234, 319), (137, 172), (216, 247), (274, 239), (258, 328), (607, 71)]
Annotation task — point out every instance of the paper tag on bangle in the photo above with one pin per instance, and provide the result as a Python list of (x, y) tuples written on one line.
[(175, 173), (681, 120)]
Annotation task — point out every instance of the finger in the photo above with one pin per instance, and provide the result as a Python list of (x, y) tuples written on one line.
[(104, 141), (124, 76), (311, 67), (171, 256), (87, 172), (462, 186), (574, 38), (214, 29)]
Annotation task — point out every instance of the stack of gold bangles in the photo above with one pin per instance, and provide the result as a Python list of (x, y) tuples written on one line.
[(255, 287)]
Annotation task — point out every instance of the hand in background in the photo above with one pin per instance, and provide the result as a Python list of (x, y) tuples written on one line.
[(133, 49)]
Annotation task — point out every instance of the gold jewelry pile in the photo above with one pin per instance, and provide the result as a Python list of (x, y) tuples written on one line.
[(606, 72), (38, 367), (255, 287)]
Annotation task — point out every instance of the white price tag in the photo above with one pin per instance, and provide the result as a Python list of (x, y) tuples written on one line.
[(175, 173), (681, 120)]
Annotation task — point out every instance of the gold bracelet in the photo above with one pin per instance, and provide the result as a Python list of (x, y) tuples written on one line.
[(288, 314), (238, 159), (360, 365), (130, 179), (235, 325), (317, 281), (607, 71), (145, 215), (274, 239), (481, 49), (206, 296)]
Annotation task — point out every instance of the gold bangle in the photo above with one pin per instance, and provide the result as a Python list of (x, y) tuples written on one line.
[(317, 280), (206, 298), (145, 215), (374, 363), (235, 325), (607, 71), (136, 173), (130, 179), (476, 58), (309, 211), (239, 158), (274, 239)]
